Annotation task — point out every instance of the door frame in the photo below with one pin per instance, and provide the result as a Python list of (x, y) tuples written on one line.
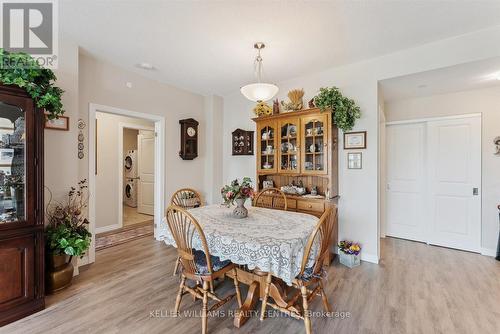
[(425, 121), (159, 128), (121, 127)]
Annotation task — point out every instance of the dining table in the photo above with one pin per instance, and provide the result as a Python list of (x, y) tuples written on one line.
[(267, 240)]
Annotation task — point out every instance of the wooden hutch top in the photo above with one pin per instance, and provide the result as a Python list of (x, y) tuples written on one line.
[(299, 148)]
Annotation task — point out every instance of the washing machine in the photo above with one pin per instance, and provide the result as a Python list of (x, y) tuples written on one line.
[(130, 192), (130, 164)]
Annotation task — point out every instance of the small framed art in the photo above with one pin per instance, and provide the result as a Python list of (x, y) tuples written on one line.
[(61, 123), (354, 160), (355, 140)]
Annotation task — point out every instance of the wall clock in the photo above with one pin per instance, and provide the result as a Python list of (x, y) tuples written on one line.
[(189, 139)]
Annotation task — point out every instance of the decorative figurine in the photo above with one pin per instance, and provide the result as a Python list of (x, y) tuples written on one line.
[(314, 190), (311, 103)]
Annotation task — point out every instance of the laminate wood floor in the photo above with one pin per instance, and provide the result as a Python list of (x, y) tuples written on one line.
[(415, 289)]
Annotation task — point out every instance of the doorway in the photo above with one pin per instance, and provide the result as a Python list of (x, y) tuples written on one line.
[(433, 187), (136, 145), (155, 171)]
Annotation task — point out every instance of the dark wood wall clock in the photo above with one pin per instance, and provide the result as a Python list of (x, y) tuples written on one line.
[(189, 139)]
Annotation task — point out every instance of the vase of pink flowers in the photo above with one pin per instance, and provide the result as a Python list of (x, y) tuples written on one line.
[(238, 193)]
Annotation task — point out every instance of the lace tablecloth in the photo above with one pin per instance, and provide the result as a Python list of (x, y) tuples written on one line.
[(272, 240)]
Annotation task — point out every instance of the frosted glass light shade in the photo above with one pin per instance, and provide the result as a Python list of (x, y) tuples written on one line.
[(258, 92)]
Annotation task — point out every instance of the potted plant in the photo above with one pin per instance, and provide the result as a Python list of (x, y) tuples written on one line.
[(344, 110), (20, 69), (66, 236), (349, 253), (236, 192)]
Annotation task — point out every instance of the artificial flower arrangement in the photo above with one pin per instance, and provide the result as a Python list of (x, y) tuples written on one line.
[(237, 190), (349, 253), (349, 247)]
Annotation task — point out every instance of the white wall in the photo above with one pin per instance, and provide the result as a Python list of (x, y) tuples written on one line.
[(213, 148), (486, 102), (358, 203), (105, 84), (108, 161), (61, 147)]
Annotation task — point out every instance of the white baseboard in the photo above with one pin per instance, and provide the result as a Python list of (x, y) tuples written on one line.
[(369, 258), (488, 252), (106, 228)]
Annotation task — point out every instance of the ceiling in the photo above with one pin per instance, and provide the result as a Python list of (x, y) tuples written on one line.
[(207, 47), (473, 75)]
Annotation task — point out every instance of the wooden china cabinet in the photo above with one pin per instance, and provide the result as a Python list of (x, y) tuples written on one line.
[(21, 205), (300, 148)]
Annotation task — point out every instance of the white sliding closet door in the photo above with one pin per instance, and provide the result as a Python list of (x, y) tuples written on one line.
[(405, 190), (454, 148), (433, 182)]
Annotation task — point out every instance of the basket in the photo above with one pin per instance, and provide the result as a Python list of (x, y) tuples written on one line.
[(349, 260), (189, 202)]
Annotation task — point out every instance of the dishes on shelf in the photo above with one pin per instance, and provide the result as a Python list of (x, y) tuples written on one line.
[(267, 135), (288, 147), (267, 166)]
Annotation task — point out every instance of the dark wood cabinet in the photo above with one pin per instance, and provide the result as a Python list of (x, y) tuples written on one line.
[(242, 142), (21, 205)]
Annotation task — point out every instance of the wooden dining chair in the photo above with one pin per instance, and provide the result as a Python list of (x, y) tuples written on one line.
[(271, 198), (186, 198), (309, 282), (197, 265)]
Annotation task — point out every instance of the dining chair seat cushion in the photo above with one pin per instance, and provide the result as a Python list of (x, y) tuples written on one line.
[(308, 274), (201, 262)]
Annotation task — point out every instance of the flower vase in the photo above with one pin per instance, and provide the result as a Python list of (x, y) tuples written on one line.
[(240, 211)]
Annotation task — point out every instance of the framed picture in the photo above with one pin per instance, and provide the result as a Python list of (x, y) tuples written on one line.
[(354, 160), (355, 140), (61, 123)]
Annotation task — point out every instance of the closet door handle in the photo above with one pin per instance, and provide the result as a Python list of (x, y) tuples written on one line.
[(475, 191)]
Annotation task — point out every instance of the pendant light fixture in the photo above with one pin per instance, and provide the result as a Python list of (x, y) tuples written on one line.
[(259, 92)]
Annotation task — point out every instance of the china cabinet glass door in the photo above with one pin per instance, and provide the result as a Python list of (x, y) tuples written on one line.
[(289, 145), (12, 164), (315, 147), (267, 160)]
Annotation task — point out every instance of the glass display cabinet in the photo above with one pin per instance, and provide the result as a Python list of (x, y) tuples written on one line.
[(297, 153), (21, 205)]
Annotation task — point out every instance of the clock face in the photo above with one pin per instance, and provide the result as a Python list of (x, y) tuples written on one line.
[(191, 131)]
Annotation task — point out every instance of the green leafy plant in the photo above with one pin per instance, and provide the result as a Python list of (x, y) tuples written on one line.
[(67, 231), (344, 110), (21, 70)]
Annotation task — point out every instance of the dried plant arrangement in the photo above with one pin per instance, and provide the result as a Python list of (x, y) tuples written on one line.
[(295, 102)]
